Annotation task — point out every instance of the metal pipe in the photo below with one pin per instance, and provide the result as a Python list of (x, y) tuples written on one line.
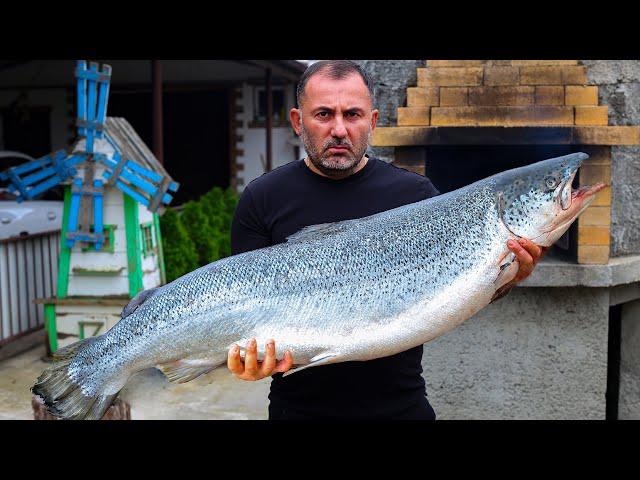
[(156, 93), (269, 119)]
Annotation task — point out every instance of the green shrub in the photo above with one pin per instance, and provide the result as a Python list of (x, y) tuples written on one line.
[(203, 235), (200, 234), (180, 256)]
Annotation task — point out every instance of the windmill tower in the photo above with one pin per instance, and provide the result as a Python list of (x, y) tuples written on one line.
[(114, 187)]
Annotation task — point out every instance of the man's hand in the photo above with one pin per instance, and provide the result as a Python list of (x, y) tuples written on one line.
[(253, 370), (528, 254)]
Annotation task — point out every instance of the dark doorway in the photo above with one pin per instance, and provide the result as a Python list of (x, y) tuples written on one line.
[(196, 141), (26, 129), (453, 167), (196, 135), (613, 362)]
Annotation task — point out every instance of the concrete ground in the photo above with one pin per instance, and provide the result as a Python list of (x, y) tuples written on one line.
[(215, 396)]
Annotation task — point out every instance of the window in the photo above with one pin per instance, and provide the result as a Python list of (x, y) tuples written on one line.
[(260, 107), (148, 244), (107, 245)]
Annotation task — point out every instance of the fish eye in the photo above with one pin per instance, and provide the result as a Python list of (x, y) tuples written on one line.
[(550, 182)]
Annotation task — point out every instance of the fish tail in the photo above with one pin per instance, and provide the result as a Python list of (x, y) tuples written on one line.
[(62, 392)]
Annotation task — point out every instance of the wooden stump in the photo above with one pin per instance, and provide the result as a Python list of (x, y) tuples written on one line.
[(120, 410)]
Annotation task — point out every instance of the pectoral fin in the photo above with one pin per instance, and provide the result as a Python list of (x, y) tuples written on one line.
[(182, 371), (508, 269), (320, 359)]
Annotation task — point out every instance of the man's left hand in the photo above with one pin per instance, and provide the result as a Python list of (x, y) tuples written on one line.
[(528, 254)]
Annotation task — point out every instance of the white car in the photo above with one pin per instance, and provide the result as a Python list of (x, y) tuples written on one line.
[(29, 217)]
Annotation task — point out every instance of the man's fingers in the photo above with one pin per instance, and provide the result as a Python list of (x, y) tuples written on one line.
[(534, 250), (234, 364), (285, 364), (269, 361), (521, 254), (250, 358), (525, 260)]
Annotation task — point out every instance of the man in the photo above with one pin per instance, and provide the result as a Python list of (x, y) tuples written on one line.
[(335, 119)]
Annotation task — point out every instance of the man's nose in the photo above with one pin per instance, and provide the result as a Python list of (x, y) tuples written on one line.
[(338, 130)]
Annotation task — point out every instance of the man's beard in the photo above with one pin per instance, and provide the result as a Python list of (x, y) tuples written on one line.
[(331, 164)]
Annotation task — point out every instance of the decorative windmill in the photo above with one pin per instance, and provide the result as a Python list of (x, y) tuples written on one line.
[(111, 246)]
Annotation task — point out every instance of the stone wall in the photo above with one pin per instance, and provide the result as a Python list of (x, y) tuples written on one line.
[(391, 79), (619, 82), (539, 353)]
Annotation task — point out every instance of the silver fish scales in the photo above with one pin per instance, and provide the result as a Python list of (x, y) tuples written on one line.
[(353, 290)]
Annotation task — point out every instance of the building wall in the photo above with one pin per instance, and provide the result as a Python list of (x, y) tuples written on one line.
[(253, 144), (629, 405), (538, 353)]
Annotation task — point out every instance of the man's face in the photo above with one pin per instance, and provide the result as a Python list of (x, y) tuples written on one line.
[(335, 122)]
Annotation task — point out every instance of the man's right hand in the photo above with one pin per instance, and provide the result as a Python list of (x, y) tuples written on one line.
[(253, 370)]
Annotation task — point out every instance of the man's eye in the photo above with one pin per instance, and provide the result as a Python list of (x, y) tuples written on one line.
[(323, 114)]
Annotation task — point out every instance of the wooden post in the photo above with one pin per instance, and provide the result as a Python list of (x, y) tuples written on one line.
[(156, 87)]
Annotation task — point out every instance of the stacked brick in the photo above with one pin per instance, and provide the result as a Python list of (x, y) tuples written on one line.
[(502, 93), (516, 93), (594, 224)]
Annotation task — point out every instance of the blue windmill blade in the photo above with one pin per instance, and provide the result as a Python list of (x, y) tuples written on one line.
[(33, 178), (91, 107), (145, 186), (81, 96), (93, 96), (103, 98)]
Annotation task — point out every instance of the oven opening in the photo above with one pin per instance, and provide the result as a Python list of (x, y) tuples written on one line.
[(452, 167)]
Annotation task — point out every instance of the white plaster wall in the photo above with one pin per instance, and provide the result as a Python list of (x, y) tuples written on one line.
[(150, 264), (82, 285), (254, 139)]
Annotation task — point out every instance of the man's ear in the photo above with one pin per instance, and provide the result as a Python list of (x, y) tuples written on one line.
[(295, 117), (374, 119)]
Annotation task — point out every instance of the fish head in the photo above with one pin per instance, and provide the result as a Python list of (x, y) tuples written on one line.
[(538, 201)]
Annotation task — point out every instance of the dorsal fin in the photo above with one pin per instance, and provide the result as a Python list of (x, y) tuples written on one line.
[(320, 231)]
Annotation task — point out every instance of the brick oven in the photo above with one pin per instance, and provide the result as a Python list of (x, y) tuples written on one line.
[(484, 116), (563, 344)]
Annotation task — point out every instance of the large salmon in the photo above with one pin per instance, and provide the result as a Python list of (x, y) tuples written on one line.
[(352, 290)]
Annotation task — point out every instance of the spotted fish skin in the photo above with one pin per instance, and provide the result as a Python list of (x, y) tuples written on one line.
[(353, 290)]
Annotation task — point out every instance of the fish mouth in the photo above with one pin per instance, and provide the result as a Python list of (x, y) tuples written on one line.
[(579, 200)]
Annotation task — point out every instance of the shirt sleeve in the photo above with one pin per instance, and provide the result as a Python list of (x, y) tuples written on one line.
[(248, 231), (430, 189)]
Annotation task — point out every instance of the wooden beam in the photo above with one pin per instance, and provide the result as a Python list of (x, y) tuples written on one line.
[(564, 135), (282, 72)]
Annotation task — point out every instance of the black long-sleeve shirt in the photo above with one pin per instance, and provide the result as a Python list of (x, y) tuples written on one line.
[(280, 203)]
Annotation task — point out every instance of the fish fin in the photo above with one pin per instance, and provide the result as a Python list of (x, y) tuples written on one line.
[(185, 370), (320, 231), (320, 359), (62, 394), (508, 268), (137, 301)]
